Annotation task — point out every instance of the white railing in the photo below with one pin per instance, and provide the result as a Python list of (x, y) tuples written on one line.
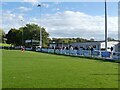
[(86, 53)]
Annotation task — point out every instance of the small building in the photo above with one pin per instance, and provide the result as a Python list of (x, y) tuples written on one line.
[(97, 45), (110, 44)]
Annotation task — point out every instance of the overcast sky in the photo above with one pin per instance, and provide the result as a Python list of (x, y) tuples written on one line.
[(63, 19)]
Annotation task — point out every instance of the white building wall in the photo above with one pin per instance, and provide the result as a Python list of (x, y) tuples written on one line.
[(87, 44), (109, 45)]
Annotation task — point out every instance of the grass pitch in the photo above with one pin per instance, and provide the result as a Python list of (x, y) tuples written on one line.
[(40, 70), (4, 44)]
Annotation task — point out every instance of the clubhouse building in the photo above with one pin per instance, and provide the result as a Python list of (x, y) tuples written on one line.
[(97, 45)]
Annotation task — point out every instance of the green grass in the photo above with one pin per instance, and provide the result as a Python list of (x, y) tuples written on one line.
[(39, 70), (0, 69), (4, 44)]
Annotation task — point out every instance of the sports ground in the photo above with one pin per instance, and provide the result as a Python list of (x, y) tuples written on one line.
[(40, 70)]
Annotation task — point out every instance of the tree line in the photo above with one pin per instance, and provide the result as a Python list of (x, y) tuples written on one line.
[(17, 37)]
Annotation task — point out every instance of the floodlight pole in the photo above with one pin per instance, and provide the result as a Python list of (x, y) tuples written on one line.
[(40, 44), (105, 26), (22, 34)]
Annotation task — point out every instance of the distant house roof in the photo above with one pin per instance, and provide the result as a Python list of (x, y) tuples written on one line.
[(57, 43), (96, 41)]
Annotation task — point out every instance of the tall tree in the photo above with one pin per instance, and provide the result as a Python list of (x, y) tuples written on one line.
[(28, 32), (45, 37), (110, 39), (32, 31), (14, 37), (2, 36)]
